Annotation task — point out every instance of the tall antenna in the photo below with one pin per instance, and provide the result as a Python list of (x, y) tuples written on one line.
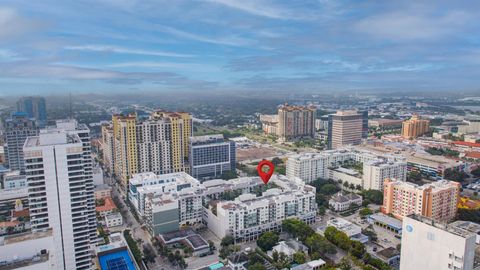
[(70, 104)]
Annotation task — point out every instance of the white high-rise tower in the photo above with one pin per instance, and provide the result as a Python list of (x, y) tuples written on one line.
[(59, 174)]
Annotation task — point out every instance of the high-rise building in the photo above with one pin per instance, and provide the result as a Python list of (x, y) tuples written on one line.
[(158, 144), (437, 200), (17, 129), (296, 122), (269, 123), (347, 128), (34, 107), (211, 156), (59, 174), (430, 245), (414, 127), (108, 149)]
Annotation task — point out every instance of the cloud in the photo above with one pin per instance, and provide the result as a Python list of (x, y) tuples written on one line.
[(409, 26), (46, 72), (229, 40), (255, 8), (13, 25), (115, 49)]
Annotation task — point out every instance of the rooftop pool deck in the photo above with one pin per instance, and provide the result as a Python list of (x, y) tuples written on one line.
[(119, 260)]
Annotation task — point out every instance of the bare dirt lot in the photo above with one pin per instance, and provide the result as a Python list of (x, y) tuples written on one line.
[(255, 152)]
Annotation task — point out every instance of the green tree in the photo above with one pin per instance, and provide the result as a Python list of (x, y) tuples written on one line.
[(318, 243), (299, 257), (365, 212), (345, 264), (257, 266), (267, 240), (357, 249), (297, 228), (455, 175), (375, 196), (227, 240), (328, 189)]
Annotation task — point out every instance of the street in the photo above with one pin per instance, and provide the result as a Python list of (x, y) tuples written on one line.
[(136, 229)]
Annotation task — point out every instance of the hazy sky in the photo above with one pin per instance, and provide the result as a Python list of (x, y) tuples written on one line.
[(129, 45)]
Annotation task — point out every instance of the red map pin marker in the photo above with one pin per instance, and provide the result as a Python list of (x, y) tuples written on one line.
[(265, 175)]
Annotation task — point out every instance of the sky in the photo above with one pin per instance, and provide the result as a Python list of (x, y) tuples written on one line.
[(110, 46)]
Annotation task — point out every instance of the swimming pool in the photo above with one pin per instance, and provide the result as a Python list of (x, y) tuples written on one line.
[(216, 266), (119, 260)]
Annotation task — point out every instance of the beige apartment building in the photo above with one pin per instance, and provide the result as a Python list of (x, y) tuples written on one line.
[(414, 127), (437, 200), (295, 122)]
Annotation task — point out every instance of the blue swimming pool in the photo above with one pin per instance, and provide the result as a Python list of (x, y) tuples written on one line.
[(216, 266), (119, 260)]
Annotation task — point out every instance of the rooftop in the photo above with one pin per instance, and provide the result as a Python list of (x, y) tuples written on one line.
[(461, 229), (341, 198), (108, 206), (388, 253)]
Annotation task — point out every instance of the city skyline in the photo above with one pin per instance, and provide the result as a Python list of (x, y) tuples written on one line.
[(124, 46)]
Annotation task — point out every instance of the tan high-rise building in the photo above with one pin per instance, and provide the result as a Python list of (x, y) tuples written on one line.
[(158, 144), (295, 122), (345, 128), (414, 127), (437, 200)]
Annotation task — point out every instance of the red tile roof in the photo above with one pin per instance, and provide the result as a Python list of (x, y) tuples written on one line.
[(9, 224), (108, 206), (472, 155), (469, 144)]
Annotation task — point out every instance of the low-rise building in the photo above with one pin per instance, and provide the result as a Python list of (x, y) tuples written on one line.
[(238, 261), (342, 202), (188, 238), (288, 248), (107, 208), (433, 166), (311, 265), (384, 221), (31, 250), (115, 255), (113, 220), (102, 191), (390, 256), (248, 216), (353, 231)]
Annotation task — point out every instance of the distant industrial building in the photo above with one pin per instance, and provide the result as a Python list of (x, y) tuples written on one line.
[(17, 128), (34, 107), (211, 156)]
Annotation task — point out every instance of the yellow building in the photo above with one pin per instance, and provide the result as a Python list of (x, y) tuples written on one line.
[(158, 144), (414, 127), (467, 203), (125, 146)]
